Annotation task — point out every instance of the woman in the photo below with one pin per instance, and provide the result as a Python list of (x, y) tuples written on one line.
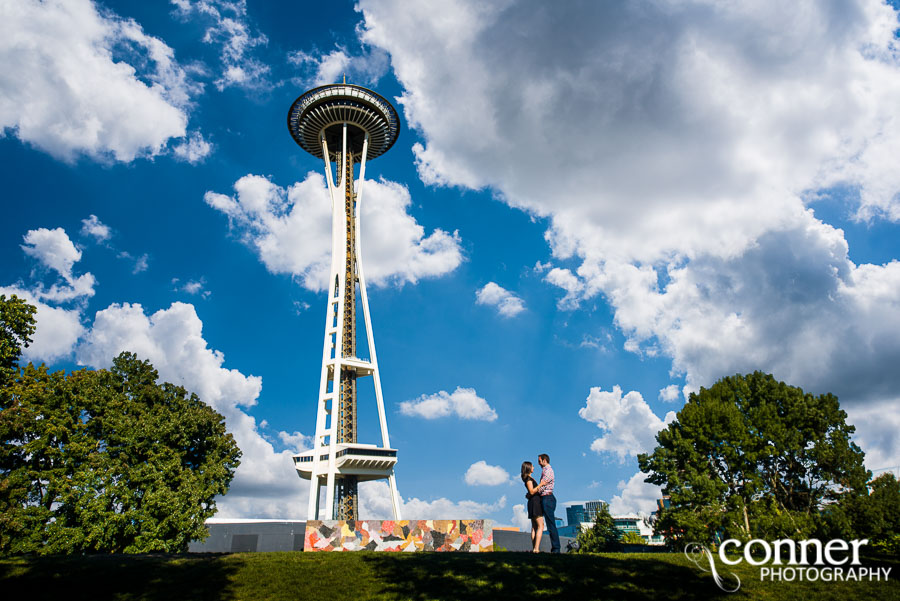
[(535, 509)]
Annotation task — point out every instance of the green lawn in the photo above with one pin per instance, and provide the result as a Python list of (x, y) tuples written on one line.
[(388, 576)]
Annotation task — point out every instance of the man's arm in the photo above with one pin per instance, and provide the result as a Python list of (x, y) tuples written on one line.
[(545, 477)]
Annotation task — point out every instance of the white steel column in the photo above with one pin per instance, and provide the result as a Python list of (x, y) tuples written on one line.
[(370, 337), (323, 411)]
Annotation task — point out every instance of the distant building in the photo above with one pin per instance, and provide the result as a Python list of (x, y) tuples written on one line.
[(581, 513), (572, 530), (639, 525), (591, 508), (661, 504), (581, 516), (664, 503), (575, 514), (559, 524), (624, 523)]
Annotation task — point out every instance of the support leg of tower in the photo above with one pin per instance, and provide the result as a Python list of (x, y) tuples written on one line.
[(395, 496), (329, 495), (312, 510)]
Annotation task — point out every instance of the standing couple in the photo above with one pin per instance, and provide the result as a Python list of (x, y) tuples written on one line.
[(541, 503)]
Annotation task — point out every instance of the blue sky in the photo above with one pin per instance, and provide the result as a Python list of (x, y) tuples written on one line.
[(591, 210)]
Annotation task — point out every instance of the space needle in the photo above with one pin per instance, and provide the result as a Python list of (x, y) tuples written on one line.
[(345, 124)]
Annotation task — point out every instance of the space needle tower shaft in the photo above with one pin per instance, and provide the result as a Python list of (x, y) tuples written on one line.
[(345, 125)]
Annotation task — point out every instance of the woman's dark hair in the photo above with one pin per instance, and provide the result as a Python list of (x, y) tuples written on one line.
[(527, 468)]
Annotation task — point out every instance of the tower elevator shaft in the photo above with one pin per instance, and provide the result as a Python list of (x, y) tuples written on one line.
[(346, 493)]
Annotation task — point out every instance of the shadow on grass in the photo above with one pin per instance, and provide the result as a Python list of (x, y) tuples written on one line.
[(495, 576), (119, 577)]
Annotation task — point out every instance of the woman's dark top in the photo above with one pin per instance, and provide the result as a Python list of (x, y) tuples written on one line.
[(535, 508)]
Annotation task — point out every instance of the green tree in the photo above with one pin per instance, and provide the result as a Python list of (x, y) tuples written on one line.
[(108, 461), (632, 538), (883, 510), (874, 514), (753, 457), (603, 536), (16, 327)]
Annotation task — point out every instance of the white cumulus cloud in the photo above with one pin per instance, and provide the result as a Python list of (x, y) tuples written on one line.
[(318, 68), (192, 287), (291, 231), (230, 29), (462, 402), (635, 496), (565, 279), (87, 82), (172, 339), (55, 250), (94, 228), (670, 393), (507, 303), (57, 329), (193, 149), (482, 474), (375, 503), (878, 432), (629, 425), (296, 441), (140, 263), (520, 518)]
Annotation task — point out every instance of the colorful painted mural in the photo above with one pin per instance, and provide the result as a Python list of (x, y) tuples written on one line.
[(468, 536)]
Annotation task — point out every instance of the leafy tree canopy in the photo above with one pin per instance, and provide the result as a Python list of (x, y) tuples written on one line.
[(632, 538), (108, 461), (16, 327), (874, 515), (603, 536), (753, 457)]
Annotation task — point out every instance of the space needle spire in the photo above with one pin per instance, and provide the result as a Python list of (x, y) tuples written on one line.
[(345, 125)]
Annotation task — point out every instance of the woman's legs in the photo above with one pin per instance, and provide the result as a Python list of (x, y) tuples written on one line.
[(533, 530), (538, 529)]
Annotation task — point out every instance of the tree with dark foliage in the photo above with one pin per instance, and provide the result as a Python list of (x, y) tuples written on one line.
[(16, 327), (107, 461), (874, 515), (753, 457), (602, 537)]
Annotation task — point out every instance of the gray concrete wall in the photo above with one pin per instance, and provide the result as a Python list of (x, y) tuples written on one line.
[(251, 536), (521, 541)]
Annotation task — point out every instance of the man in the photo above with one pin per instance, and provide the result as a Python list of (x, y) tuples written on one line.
[(548, 501)]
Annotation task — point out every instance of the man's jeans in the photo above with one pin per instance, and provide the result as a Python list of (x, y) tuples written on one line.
[(549, 504)]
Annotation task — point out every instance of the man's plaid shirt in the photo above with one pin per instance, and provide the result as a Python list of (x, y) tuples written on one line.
[(546, 480)]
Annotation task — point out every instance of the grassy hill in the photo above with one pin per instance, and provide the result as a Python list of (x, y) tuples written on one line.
[(388, 576)]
